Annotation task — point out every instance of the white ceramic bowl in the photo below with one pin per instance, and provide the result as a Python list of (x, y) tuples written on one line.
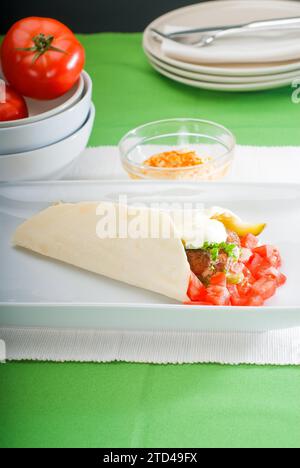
[(41, 110), (48, 162), (45, 132)]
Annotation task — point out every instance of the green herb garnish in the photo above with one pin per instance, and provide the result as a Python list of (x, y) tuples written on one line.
[(214, 249)]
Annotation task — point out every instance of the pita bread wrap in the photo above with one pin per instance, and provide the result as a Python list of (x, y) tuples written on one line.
[(70, 233)]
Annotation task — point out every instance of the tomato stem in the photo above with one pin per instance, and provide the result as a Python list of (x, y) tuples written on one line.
[(42, 44)]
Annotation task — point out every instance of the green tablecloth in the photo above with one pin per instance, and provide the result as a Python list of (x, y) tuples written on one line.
[(141, 405)]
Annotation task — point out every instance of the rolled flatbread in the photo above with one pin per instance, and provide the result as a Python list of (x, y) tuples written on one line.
[(70, 233)]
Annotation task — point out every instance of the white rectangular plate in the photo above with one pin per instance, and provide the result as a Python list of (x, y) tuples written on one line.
[(38, 292)]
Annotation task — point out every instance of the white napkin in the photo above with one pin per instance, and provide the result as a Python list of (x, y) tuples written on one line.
[(281, 347), (250, 47)]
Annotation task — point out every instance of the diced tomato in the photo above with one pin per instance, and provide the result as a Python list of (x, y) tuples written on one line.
[(237, 268), (246, 254), (249, 241), (244, 289), (269, 253), (264, 251), (235, 298), (196, 290), (239, 301), (219, 279), (232, 288), (259, 269), (255, 301), (271, 272), (218, 295), (255, 263), (281, 280), (248, 275), (265, 288)]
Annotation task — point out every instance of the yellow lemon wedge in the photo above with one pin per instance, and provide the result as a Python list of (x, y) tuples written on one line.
[(232, 223)]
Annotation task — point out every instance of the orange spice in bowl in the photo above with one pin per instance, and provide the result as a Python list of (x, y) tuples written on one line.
[(175, 159), (187, 149)]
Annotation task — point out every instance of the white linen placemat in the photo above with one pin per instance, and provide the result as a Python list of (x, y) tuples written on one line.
[(276, 348), (252, 164), (280, 347)]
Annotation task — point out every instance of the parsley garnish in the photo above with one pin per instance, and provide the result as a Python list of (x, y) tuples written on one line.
[(214, 249)]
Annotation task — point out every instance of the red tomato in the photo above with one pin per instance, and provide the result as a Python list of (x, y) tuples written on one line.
[(249, 241), (246, 298), (244, 288), (270, 272), (13, 106), (265, 288), (234, 295), (219, 279), (270, 253), (232, 288), (248, 275), (237, 268), (254, 264), (255, 301), (237, 300), (281, 279), (196, 291), (218, 295), (41, 58), (246, 254), (261, 278)]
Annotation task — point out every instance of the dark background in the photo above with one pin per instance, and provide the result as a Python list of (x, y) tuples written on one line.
[(90, 16)]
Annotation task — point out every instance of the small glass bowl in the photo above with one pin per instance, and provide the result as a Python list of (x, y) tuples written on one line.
[(209, 140)]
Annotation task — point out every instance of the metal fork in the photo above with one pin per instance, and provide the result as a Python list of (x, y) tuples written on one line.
[(211, 34)]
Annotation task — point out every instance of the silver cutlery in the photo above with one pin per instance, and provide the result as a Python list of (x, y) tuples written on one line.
[(206, 36)]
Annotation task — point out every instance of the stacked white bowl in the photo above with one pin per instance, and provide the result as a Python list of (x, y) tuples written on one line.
[(56, 132)]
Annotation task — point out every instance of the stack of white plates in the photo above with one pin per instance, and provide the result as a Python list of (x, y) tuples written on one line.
[(247, 62)]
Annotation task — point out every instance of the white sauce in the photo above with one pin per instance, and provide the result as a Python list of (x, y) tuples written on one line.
[(197, 228)]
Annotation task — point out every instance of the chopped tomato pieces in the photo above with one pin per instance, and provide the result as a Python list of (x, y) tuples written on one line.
[(237, 267), (246, 254), (270, 272), (270, 253), (255, 264), (232, 288), (260, 276), (197, 290), (244, 288), (255, 301), (281, 280), (218, 295), (249, 241), (248, 275), (264, 287), (239, 300), (218, 279)]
